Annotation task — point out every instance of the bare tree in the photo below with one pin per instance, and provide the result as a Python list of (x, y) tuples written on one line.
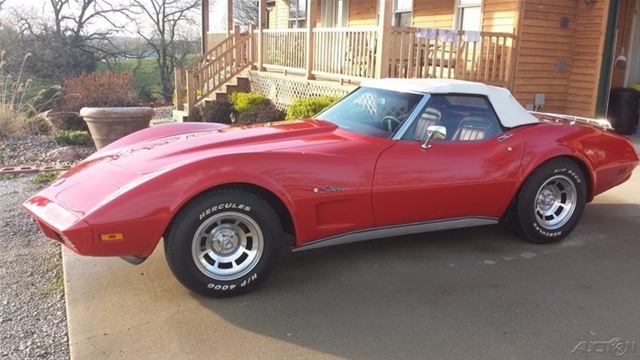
[(161, 24), (71, 40), (245, 12)]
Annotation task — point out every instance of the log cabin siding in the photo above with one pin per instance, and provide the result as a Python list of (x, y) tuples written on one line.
[(362, 13), (499, 15), (434, 13), (587, 57)]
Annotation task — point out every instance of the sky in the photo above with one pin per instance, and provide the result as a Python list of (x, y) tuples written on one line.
[(42, 8)]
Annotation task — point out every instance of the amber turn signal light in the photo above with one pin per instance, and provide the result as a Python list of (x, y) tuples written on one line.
[(112, 237)]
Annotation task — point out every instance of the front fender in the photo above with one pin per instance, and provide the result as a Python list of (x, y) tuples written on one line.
[(161, 196)]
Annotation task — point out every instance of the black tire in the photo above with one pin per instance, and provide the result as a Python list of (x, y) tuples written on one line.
[(206, 215), (533, 214)]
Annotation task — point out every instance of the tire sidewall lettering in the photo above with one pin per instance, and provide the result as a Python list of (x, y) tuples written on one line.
[(224, 206), (226, 286)]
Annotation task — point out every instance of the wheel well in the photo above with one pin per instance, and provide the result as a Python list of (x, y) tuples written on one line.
[(280, 208), (577, 161)]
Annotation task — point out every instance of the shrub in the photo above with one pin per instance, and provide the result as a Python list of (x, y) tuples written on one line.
[(67, 120), (244, 102), (37, 125), (104, 89), (306, 108), (71, 137), (261, 113), (218, 111), (47, 98), (45, 177)]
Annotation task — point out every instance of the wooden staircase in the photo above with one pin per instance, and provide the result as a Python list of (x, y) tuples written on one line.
[(216, 74)]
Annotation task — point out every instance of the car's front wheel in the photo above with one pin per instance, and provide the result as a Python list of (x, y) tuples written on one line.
[(551, 201), (224, 243)]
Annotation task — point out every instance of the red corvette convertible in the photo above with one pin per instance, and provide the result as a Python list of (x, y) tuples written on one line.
[(394, 157)]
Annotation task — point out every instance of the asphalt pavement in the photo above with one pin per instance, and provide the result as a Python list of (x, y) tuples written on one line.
[(478, 293)]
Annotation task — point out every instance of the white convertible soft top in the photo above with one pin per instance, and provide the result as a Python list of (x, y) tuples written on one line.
[(509, 111)]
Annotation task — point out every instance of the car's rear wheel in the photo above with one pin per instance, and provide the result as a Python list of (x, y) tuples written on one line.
[(550, 203), (224, 243)]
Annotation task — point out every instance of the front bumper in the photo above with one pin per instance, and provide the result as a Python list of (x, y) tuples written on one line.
[(61, 225)]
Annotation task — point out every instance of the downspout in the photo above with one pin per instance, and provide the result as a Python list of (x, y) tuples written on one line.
[(606, 68)]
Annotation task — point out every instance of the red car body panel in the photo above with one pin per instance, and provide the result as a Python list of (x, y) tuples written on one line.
[(331, 181)]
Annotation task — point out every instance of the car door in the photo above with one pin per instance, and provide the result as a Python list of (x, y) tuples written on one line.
[(472, 172)]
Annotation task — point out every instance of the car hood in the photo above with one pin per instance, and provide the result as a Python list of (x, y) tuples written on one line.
[(158, 153), (141, 156)]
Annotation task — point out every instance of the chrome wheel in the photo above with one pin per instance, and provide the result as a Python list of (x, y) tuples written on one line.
[(227, 246), (555, 202)]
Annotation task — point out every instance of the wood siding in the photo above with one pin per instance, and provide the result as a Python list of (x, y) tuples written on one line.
[(587, 57), (545, 48), (279, 15), (499, 15), (434, 13), (362, 12), (625, 25), (542, 44)]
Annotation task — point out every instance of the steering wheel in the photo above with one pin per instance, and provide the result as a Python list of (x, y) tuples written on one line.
[(390, 123)]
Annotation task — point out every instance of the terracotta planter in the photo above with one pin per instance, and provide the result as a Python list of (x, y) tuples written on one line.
[(110, 124)]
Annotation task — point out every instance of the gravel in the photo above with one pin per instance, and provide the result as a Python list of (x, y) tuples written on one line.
[(32, 304), (32, 150)]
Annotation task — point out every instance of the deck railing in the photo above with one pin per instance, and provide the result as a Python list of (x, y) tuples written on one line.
[(345, 52), (213, 69), (354, 53), (284, 49), (440, 53)]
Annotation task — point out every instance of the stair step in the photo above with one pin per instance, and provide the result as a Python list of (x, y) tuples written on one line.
[(220, 95)]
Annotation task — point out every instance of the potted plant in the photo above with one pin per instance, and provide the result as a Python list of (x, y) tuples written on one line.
[(108, 124), (106, 101)]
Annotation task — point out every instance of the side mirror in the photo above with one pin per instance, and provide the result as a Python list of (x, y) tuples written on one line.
[(434, 133)]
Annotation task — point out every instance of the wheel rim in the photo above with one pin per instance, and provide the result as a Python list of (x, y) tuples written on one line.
[(555, 202), (227, 246)]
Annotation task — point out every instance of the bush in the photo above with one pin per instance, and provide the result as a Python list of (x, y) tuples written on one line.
[(98, 90), (218, 111), (45, 177), (67, 120), (261, 113), (47, 98), (37, 125), (306, 108), (244, 102), (70, 137)]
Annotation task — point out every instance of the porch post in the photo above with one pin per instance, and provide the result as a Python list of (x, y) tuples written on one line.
[(179, 81), (311, 20), (261, 21), (205, 24), (229, 17), (383, 50)]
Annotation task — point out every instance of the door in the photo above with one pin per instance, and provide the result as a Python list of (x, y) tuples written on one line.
[(472, 172)]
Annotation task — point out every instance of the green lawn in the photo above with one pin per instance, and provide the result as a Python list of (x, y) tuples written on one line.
[(145, 79)]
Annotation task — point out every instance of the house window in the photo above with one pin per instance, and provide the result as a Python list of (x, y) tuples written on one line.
[(469, 15), (297, 13), (402, 13)]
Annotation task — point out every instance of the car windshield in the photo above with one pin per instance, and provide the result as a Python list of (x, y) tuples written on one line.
[(371, 111)]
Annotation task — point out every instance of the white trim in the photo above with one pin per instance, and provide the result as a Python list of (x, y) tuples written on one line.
[(456, 15)]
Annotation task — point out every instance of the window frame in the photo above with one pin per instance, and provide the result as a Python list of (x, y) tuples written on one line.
[(397, 14), (297, 22), (460, 10), (404, 132)]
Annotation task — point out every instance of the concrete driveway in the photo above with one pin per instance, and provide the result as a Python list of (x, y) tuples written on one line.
[(478, 293)]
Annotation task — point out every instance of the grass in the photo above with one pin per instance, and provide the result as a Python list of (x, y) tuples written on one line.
[(8, 176), (45, 177), (146, 77), (72, 137)]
